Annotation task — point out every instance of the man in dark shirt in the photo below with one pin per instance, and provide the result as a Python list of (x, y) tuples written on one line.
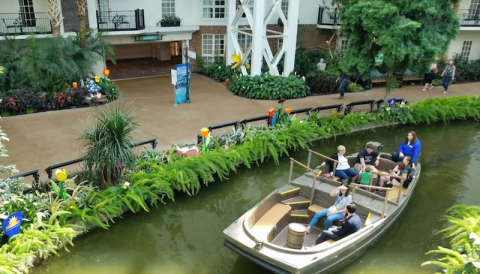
[(366, 157), (351, 225), (343, 82)]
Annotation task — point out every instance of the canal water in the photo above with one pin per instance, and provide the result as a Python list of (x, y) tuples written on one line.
[(186, 236)]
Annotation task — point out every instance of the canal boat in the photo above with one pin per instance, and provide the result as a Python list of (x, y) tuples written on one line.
[(270, 233)]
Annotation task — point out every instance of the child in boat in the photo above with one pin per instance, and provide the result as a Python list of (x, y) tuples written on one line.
[(365, 176), (388, 180)]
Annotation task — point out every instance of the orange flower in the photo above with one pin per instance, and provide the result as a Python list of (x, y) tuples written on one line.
[(74, 85), (288, 110), (204, 131), (106, 72), (271, 112)]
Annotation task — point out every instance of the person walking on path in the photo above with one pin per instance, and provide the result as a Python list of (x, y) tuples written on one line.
[(448, 74), (429, 76), (343, 82)]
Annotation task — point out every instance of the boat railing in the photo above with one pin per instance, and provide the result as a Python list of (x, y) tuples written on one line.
[(316, 174), (310, 152), (383, 173), (387, 189)]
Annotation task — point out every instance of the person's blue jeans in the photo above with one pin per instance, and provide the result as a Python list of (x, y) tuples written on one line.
[(343, 83), (445, 81), (326, 235), (330, 219), (344, 174)]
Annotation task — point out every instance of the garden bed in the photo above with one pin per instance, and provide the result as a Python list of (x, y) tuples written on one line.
[(159, 175)]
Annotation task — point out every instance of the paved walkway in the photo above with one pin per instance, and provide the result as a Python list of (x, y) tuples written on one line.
[(43, 139)]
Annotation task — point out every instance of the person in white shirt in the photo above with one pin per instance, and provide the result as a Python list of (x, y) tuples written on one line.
[(343, 168)]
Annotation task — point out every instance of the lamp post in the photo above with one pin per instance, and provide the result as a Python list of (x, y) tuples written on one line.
[(187, 84)]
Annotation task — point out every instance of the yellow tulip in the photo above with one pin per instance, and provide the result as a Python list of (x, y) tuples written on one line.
[(204, 131), (248, 66), (97, 79), (237, 59), (61, 175)]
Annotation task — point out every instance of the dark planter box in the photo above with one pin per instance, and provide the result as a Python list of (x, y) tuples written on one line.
[(169, 24)]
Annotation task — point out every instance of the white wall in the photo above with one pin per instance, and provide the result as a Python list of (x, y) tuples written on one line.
[(465, 35), (12, 6), (465, 4), (191, 11)]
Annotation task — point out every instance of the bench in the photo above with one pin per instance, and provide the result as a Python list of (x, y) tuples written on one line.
[(265, 224), (412, 76), (350, 106), (378, 77), (339, 108), (378, 103)]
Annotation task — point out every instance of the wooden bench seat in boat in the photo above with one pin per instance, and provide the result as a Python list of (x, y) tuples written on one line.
[(265, 224)]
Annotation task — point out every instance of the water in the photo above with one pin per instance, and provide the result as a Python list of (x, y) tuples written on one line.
[(186, 236)]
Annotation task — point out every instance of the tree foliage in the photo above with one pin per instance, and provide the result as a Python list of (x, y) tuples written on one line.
[(410, 34)]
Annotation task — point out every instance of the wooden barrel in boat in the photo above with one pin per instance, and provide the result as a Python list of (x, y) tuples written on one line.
[(295, 236)]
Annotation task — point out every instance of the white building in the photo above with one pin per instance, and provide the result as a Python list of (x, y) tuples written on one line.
[(134, 28)]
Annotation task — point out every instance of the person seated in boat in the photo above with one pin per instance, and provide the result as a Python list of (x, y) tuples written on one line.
[(343, 169), (367, 157), (390, 181), (335, 212), (408, 168), (365, 176), (351, 225), (411, 146)]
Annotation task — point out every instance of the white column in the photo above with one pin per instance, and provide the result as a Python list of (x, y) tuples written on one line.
[(92, 14), (290, 41), (184, 44), (231, 11), (257, 35)]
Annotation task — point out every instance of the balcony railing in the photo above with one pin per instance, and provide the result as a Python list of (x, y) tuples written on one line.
[(469, 17), (328, 16), (120, 20), (25, 23)]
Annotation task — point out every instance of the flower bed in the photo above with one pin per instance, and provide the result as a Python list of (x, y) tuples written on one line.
[(158, 175)]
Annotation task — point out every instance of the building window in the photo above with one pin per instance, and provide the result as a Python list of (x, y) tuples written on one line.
[(244, 41), (213, 47), (343, 47), (214, 8), (27, 13), (474, 9), (250, 5), (284, 6), (168, 8), (280, 43), (467, 46)]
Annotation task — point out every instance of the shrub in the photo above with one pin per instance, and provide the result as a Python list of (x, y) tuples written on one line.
[(322, 82), (217, 70), (109, 89), (267, 86), (106, 143), (354, 87)]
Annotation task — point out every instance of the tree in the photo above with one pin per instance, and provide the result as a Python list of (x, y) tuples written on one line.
[(82, 9), (410, 34), (54, 15)]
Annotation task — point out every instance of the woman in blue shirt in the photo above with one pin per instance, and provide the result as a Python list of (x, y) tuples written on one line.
[(335, 212), (411, 146)]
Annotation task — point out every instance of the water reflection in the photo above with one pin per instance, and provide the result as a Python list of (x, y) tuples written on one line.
[(186, 236)]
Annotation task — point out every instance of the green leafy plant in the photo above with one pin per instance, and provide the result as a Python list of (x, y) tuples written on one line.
[(463, 232), (106, 143), (354, 87), (109, 89), (267, 86), (399, 112)]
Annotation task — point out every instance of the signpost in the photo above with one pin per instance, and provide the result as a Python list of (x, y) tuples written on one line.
[(181, 78)]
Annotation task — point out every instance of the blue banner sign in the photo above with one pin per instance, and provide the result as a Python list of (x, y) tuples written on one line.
[(183, 81), (11, 225)]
